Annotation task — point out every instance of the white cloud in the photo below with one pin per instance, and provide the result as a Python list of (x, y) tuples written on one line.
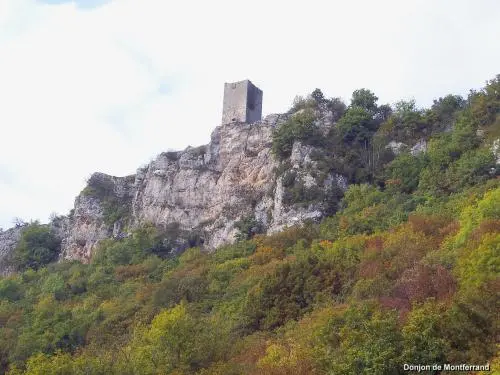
[(107, 88)]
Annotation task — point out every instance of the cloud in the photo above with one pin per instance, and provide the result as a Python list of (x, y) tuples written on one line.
[(83, 4), (109, 86)]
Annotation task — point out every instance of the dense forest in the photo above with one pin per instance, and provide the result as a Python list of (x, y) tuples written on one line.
[(404, 269)]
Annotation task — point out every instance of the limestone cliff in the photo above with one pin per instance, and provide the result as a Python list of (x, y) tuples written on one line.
[(203, 190), (8, 240)]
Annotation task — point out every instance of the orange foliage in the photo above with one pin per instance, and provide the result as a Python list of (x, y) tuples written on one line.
[(451, 229), (325, 244), (196, 268), (431, 225), (417, 285), (370, 269), (371, 265), (374, 244), (258, 271), (487, 226), (144, 293), (404, 248), (422, 282), (343, 223), (286, 238), (265, 254), (127, 272), (396, 181), (253, 349)]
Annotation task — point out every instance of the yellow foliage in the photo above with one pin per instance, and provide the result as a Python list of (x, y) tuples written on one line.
[(479, 265)]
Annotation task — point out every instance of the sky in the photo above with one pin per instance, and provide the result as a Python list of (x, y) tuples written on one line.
[(106, 85)]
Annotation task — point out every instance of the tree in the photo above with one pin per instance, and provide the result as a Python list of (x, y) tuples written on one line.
[(362, 340), (337, 107), (444, 110), (10, 290), (404, 171), (409, 119), (300, 127), (485, 104), (383, 112), (365, 99), (175, 340), (356, 126), (318, 96), (37, 247), (423, 336)]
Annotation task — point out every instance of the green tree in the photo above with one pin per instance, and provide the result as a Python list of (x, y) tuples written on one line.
[(362, 340), (404, 172), (318, 96), (365, 99), (444, 111), (423, 337), (174, 341), (300, 127), (10, 289), (485, 104), (356, 126), (337, 107), (37, 247)]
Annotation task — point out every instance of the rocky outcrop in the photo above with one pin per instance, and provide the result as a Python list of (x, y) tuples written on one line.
[(495, 149), (59, 227), (203, 190), (8, 241), (397, 147), (91, 220), (419, 147)]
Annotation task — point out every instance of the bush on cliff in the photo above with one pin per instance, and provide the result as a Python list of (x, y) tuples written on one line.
[(37, 247)]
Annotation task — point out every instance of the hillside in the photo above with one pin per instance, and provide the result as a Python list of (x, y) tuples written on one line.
[(332, 239)]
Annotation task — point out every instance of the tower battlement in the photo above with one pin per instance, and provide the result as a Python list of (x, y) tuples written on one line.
[(242, 102)]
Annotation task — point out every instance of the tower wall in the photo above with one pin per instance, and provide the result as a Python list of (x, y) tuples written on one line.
[(242, 102), (254, 103)]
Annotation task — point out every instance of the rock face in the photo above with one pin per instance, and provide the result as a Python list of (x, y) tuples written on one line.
[(8, 241), (203, 190), (495, 148), (87, 224), (396, 147), (419, 147)]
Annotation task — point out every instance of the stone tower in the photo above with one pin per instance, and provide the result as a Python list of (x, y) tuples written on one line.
[(242, 102)]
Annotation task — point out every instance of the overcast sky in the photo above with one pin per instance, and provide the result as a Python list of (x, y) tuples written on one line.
[(102, 85)]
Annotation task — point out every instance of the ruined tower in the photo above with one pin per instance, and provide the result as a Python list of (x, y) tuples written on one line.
[(242, 102)]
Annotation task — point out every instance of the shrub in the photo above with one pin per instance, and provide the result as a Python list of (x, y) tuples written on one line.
[(248, 227), (10, 290), (37, 247), (300, 127), (406, 170), (356, 126)]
